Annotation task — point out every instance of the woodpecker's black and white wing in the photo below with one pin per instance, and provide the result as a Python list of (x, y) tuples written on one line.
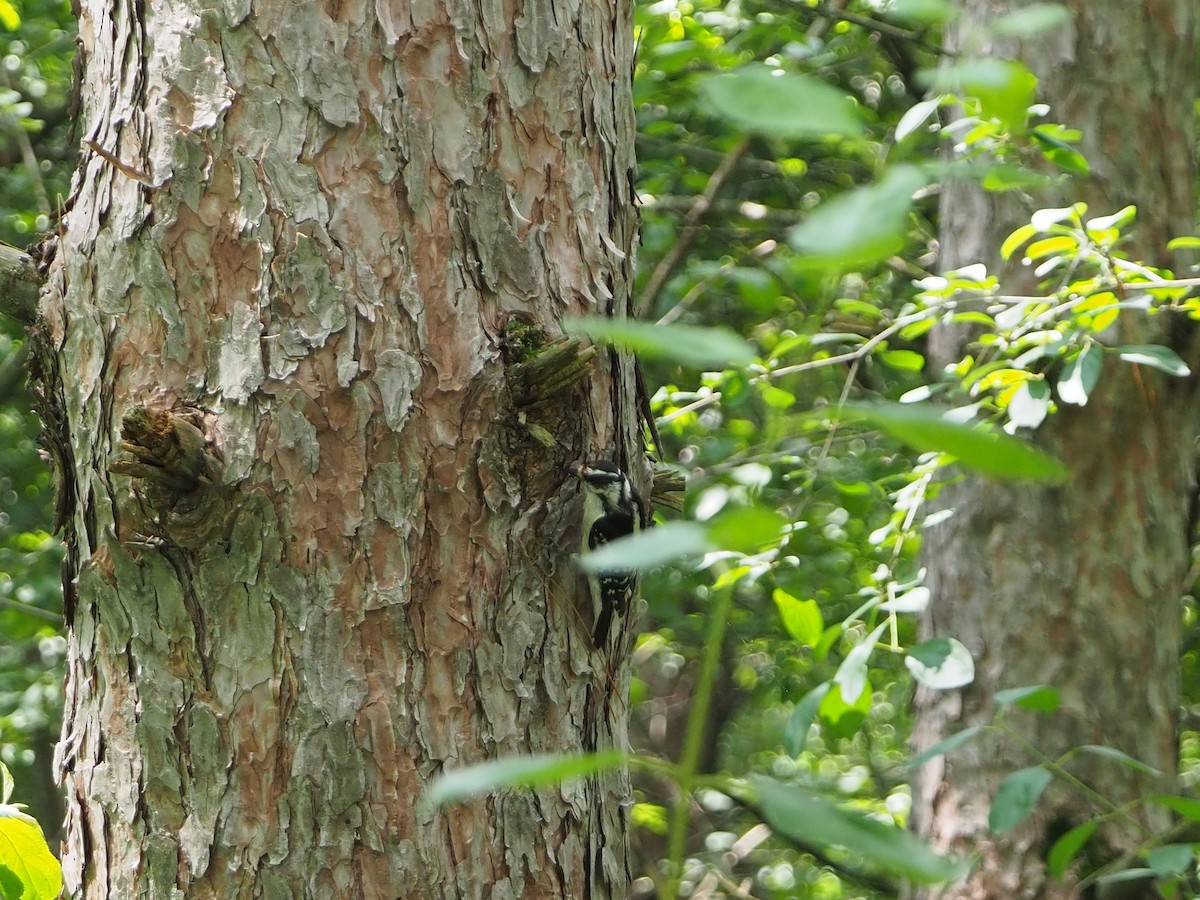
[(612, 509)]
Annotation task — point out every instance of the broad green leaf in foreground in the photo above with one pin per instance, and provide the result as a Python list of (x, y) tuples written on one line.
[(650, 548), (986, 450), (687, 344), (781, 104), (519, 771), (26, 857), (863, 226), (812, 820)]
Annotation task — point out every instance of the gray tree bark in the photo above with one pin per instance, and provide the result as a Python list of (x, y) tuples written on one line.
[(317, 554), (1076, 586)]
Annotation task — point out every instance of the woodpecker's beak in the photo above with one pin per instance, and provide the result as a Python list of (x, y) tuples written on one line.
[(576, 469)]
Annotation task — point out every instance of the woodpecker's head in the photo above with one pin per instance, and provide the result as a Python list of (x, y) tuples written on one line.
[(606, 482)]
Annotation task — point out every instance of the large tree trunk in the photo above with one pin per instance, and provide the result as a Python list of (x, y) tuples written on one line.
[(1076, 586), (300, 235)]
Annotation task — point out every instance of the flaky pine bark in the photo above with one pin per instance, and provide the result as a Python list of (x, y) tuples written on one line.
[(1076, 586), (320, 553)]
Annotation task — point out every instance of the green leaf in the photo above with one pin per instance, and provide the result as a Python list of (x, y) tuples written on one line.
[(1170, 859), (688, 344), (1016, 797), (1016, 239), (650, 548), (801, 618), (1067, 847), (941, 664), (795, 733), (943, 747), (861, 227), (916, 116), (1029, 404), (1187, 242), (1080, 375), (851, 676), (9, 17), (1032, 20), (923, 12), (814, 821), (26, 856), (1036, 697), (1185, 806), (1156, 356), (840, 719), (987, 451), (781, 104), (1123, 758), (1005, 88), (905, 360), (749, 529), (519, 772)]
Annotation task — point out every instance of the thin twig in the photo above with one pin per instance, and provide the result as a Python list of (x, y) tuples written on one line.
[(34, 611), (691, 227)]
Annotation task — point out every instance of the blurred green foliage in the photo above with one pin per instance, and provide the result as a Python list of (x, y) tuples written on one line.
[(37, 44)]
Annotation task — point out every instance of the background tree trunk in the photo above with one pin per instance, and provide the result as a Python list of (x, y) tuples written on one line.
[(298, 233), (1076, 586)]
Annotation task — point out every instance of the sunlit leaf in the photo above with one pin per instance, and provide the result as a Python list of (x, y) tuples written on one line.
[(801, 618), (26, 856), (1016, 239), (1080, 376), (781, 104), (1029, 404), (1016, 797), (688, 344), (814, 821), (9, 17), (519, 771), (987, 451), (851, 676), (863, 226), (905, 360), (941, 663), (916, 116), (1156, 356)]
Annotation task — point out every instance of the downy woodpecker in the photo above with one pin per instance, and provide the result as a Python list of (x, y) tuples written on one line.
[(611, 509)]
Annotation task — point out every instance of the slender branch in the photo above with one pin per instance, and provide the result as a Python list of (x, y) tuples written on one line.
[(718, 619), (36, 612), (691, 227)]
